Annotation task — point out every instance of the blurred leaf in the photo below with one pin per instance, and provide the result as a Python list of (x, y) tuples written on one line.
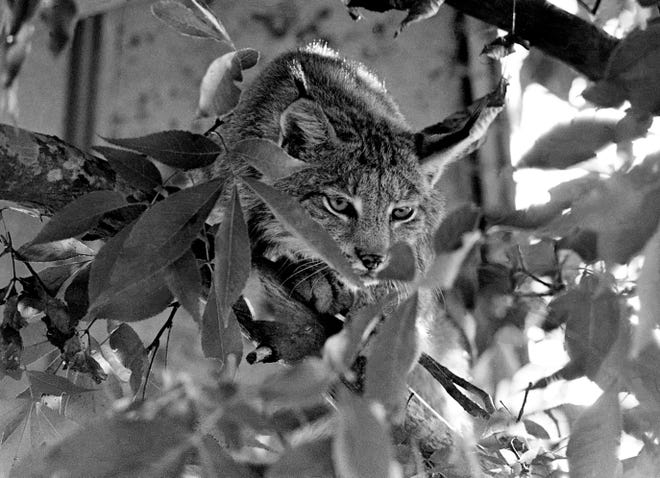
[(594, 442), (13, 55), (555, 76), (648, 291), (449, 235), (361, 444), (79, 216), (135, 168), (214, 459), (417, 11), (12, 412), (55, 251), (185, 282), (300, 384), (179, 149), (154, 448), (268, 158), (446, 266), (312, 458), (645, 464), (42, 383), (393, 354), (125, 352), (401, 265), (570, 143), (184, 20), (218, 93), (218, 340), (60, 17), (232, 257), (294, 217)]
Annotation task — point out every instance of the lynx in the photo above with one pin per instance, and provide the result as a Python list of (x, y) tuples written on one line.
[(373, 185)]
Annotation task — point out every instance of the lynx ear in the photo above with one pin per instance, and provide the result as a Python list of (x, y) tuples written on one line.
[(304, 125)]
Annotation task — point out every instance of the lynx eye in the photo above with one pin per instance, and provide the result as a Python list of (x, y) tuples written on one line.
[(337, 204), (403, 213)]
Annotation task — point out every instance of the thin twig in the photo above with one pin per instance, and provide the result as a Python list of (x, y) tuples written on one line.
[(522, 407)]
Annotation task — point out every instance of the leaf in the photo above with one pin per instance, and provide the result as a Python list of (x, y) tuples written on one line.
[(419, 10), (164, 233), (215, 458), (60, 16), (42, 383), (594, 441), (211, 18), (126, 354), (570, 143), (393, 354), (185, 282), (184, 20), (55, 251), (135, 168), (294, 217), (179, 149), (76, 294), (313, 458), (47, 426), (361, 445), (218, 93), (219, 341), (648, 291), (136, 300), (232, 257), (401, 265), (268, 158), (80, 216), (301, 384), (139, 447), (445, 267), (449, 235)]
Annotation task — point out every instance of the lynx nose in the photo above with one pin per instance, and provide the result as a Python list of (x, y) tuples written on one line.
[(370, 261)]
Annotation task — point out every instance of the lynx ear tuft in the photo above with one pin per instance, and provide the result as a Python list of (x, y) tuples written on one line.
[(304, 125)]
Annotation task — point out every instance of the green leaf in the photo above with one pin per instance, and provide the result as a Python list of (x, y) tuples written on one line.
[(361, 444), (219, 341), (312, 458), (648, 291), (218, 93), (232, 257), (184, 20), (55, 251), (594, 441), (125, 352), (135, 168), (179, 149), (76, 294), (301, 384), (401, 265), (294, 217), (393, 354), (214, 459), (80, 216), (42, 383), (268, 158), (164, 233), (185, 282)]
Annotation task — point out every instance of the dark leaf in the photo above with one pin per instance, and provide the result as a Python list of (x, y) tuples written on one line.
[(184, 20), (76, 295), (268, 158), (42, 383), (14, 55), (401, 265), (446, 266), (80, 216), (126, 354), (214, 459), (185, 282), (219, 341), (361, 445), (135, 168), (393, 353), (449, 236), (419, 10), (218, 93), (308, 459), (179, 149), (60, 16), (294, 217), (594, 441), (55, 251), (232, 257), (301, 384)]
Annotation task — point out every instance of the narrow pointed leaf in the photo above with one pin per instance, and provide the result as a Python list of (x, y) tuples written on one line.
[(593, 445), (179, 149), (268, 158), (219, 342), (42, 383), (55, 251), (213, 20), (185, 282), (79, 216), (232, 257), (135, 168), (186, 22), (294, 217)]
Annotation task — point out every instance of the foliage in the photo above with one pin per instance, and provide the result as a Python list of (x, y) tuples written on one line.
[(571, 264)]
